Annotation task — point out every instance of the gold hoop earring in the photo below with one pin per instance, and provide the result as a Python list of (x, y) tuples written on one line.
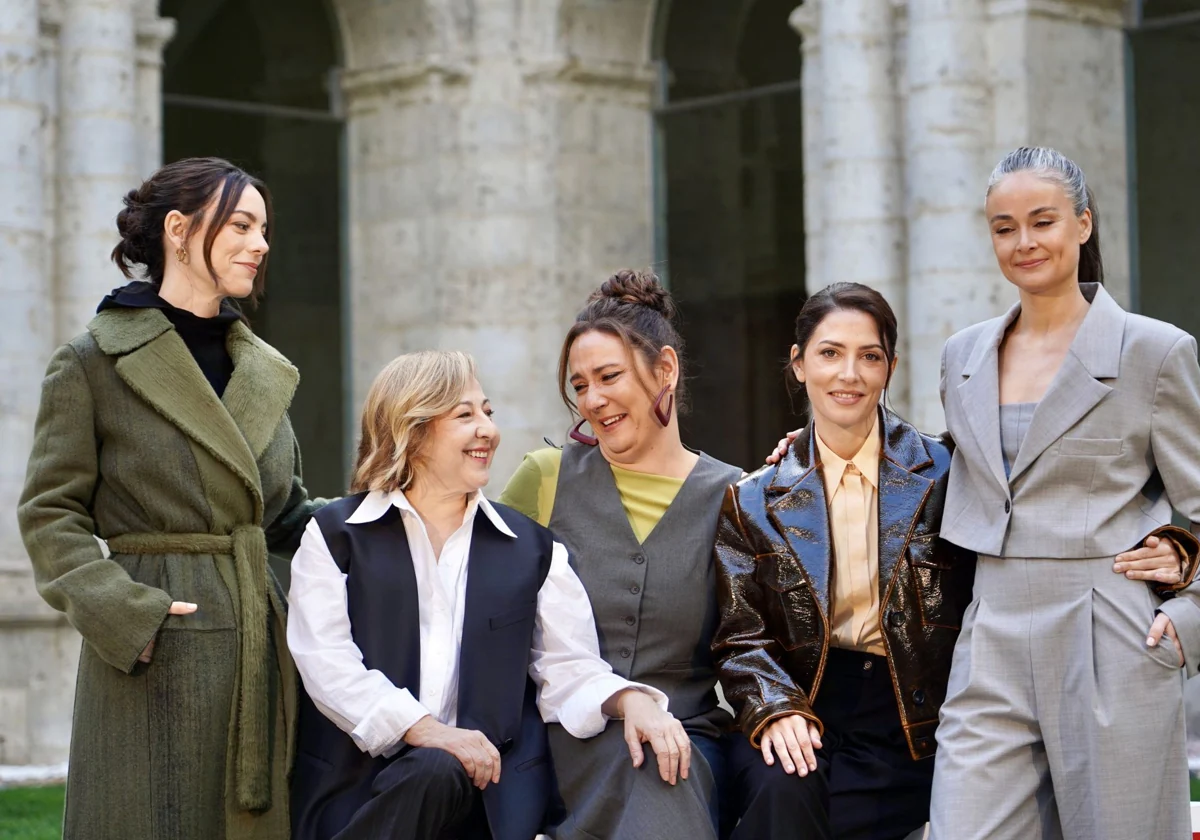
[(181, 255)]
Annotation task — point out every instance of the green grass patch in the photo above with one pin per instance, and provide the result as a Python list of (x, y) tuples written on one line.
[(31, 813)]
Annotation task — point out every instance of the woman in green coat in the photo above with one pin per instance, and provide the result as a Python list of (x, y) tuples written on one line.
[(163, 432)]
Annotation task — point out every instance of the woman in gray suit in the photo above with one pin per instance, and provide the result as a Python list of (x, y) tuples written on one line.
[(1077, 427)]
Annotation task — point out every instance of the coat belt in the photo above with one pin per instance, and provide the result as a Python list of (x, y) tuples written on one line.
[(251, 733)]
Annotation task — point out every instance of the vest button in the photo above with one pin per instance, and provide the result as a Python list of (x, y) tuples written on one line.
[(919, 697), (639, 558), (635, 589), (626, 653), (1007, 506), (630, 620)]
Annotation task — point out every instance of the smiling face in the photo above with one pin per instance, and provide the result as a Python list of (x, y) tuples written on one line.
[(844, 369), (1035, 233), (456, 456), (613, 393), (237, 250)]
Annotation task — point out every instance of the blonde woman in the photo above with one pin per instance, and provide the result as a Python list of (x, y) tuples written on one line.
[(431, 626)]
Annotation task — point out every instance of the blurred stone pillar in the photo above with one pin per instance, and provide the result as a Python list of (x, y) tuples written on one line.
[(863, 236), (98, 150), (951, 271)]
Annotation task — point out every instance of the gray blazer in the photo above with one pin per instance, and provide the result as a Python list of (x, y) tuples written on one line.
[(1113, 446)]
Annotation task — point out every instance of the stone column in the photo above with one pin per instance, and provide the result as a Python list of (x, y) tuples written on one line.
[(1058, 71), (152, 34), (863, 235), (805, 20), (37, 667), (99, 149), (26, 341), (951, 271)]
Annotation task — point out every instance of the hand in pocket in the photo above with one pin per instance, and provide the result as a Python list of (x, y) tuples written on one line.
[(1162, 626), (177, 608)]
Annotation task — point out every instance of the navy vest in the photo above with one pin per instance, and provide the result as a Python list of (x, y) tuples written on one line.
[(332, 778)]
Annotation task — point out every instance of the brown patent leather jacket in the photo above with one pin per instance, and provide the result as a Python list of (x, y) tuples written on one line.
[(774, 560)]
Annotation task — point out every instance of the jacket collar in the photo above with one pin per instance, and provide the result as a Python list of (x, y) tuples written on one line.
[(1094, 354), (377, 503), (797, 505), (236, 429), (902, 445)]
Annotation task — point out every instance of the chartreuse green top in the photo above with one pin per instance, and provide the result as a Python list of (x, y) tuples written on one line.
[(644, 497)]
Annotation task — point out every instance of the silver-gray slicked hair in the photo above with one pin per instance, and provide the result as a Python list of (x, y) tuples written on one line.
[(1052, 165)]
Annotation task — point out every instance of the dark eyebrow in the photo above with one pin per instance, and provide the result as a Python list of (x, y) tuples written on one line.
[(841, 346), (597, 369), (247, 214)]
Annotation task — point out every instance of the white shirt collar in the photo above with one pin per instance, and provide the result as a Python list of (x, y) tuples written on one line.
[(376, 504)]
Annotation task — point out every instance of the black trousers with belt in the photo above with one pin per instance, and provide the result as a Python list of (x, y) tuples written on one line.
[(423, 795), (867, 785)]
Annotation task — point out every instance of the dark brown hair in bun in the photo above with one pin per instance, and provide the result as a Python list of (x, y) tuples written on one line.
[(644, 288), (634, 307), (187, 185)]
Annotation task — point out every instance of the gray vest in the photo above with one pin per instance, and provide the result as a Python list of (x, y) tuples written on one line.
[(655, 603)]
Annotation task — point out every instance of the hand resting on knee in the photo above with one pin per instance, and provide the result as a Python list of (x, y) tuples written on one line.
[(477, 754), (794, 739), (645, 722)]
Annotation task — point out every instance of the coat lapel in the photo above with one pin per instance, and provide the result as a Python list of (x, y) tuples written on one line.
[(1076, 389), (902, 494), (796, 504), (261, 388), (155, 363), (979, 394)]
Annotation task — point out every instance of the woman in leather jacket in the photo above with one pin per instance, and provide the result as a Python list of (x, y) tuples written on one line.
[(839, 603)]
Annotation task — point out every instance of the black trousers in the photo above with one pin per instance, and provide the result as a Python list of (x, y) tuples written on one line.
[(867, 785), (424, 794)]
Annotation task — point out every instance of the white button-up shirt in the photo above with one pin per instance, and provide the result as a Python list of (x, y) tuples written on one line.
[(573, 680)]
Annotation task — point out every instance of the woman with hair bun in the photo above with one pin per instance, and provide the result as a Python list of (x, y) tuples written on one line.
[(638, 511), (163, 431), (1078, 432)]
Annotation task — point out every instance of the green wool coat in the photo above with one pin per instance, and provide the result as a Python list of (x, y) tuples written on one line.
[(189, 491)]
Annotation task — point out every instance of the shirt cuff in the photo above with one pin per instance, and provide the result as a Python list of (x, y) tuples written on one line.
[(581, 714), (381, 732)]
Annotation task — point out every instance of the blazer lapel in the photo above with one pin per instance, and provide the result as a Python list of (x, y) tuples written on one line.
[(155, 363), (1076, 389), (796, 505), (979, 394), (261, 388)]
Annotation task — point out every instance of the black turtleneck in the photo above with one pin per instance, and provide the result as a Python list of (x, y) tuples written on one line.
[(204, 337)]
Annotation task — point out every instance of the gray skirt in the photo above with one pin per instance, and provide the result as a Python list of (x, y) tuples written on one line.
[(606, 798), (1059, 722)]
